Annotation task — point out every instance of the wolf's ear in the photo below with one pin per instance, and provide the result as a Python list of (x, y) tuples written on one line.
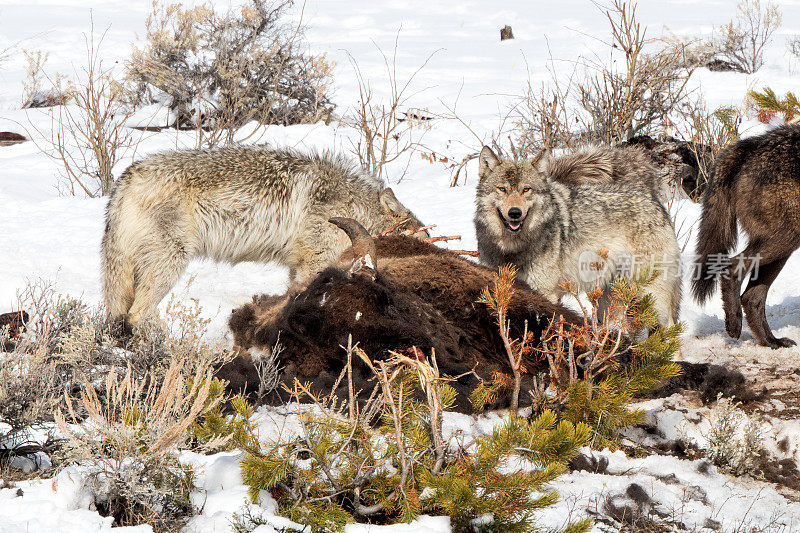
[(390, 202), (540, 161), (487, 161)]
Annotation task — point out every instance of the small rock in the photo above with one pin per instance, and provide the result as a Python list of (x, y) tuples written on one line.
[(590, 463), (697, 493), (705, 467), (669, 479), (636, 493), (7, 138), (720, 65), (506, 33), (630, 507)]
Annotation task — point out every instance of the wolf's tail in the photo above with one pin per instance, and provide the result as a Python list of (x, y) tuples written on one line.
[(591, 165), (718, 234), (117, 264)]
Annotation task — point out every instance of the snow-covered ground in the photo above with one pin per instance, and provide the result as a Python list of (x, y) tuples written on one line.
[(46, 235)]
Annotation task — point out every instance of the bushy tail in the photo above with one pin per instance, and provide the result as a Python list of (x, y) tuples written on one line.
[(118, 267), (591, 165), (718, 233)]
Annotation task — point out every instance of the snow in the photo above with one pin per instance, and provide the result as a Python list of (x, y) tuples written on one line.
[(59, 504), (423, 524), (682, 493), (53, 237)]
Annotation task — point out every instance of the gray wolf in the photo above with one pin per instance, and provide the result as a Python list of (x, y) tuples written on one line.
[(235, 204), (757, 182), (554, 232), (408, 295), (625, 165)]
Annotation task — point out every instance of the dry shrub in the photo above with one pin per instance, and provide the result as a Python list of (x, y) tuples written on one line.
[(735, 441), (624, 104), (384, 132), (218, 71), (695, 51), (741, 42), (66, 344), (61, 339), (601, 103), (793, 45), (30, 387), (33, 92), (88, 138), (127, 437), (543, 120)]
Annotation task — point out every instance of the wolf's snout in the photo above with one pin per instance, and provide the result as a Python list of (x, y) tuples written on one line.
[(512, 219), (515, 213)]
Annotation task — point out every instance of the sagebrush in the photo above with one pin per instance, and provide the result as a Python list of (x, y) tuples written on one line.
[(218, 71), (127, 437), (741, 42), (636, 93), (66, 343)]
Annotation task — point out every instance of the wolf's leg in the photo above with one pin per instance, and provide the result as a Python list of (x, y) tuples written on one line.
[(731, 287), (754, 302), (156, 273), (666, 291)]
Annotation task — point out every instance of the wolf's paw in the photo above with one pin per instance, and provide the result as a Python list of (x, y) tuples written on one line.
[(733, 323), (776, 343)]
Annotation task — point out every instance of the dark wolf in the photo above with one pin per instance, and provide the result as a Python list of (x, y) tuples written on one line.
[(757, 183), (232, 204)]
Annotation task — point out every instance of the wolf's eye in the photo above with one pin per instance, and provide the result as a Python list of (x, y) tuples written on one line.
[(526, 189), (501, 189)]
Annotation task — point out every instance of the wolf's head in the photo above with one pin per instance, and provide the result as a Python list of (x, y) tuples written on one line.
[(398, 212), (513, 192)]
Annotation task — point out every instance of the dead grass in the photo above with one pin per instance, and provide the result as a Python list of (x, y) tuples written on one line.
[(127, 435), (67, 345)]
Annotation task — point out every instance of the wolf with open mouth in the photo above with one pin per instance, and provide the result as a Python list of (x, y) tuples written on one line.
[(582, 230)]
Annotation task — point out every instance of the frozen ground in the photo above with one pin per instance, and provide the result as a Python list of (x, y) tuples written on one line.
[(49, 236)]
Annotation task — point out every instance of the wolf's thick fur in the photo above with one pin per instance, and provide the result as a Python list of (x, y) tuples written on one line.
[(553, 232), (629, 165), (756, 181), (232, 204)]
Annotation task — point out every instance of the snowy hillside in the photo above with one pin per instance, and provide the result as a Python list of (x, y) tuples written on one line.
[(470, 74)]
